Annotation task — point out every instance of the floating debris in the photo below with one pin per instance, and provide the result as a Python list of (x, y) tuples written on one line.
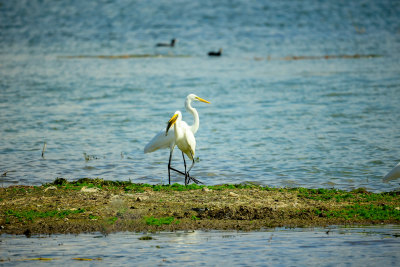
[(89, 157), (38, 259), (289, 58), (87, 259), (127, 56), (330, 57), (44, 148)]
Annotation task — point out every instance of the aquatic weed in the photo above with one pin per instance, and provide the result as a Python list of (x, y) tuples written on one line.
[(31, 215), (357, 211), (160, 221), (146, 237)]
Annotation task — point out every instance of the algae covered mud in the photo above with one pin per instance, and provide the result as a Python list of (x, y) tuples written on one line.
[(96, 205)]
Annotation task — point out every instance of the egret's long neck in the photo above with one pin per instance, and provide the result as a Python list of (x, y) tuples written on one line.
[(177, 129), (196, 120)]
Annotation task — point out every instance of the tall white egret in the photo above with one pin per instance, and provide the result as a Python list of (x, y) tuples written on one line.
[(184, 139), (393, 174), (163, 140)]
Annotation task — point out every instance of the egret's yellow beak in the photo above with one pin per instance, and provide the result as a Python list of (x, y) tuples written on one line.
[(171, 122), (202, 100)]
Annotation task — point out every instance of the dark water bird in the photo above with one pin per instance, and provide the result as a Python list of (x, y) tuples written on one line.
[(215, 54), (172, 44)]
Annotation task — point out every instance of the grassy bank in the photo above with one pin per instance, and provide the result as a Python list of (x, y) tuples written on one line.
[(96, 205)]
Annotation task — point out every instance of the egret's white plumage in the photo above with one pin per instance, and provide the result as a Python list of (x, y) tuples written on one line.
[(393, 174), (167, 139), (184, 139)]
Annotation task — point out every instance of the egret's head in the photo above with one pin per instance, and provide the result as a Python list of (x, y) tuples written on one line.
[(172, 121), (193, 97)]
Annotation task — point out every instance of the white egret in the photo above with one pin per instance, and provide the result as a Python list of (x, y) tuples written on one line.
[(163, 140), (393, 174), (184, 139)]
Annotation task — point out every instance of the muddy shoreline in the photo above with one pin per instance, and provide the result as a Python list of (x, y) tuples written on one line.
[(95, 205)]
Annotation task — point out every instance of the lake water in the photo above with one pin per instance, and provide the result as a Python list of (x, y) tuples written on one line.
[(86, 78), (332, 246)]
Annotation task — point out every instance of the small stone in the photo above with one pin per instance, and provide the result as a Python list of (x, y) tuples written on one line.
[(141, 198), (50, 188), (89, 190), (206, 189), (233, 194)]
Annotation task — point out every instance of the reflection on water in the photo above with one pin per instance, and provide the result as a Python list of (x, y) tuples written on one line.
[(368, 246)]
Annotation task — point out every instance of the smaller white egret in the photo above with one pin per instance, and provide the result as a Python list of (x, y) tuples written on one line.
[(184, 139), (393, 174)]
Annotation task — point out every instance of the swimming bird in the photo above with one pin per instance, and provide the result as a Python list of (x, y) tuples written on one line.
[(215, 54), (162, 140), (393, 174), (172, 44), (184, 139)]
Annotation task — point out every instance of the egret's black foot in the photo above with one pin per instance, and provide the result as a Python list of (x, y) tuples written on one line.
[(194, 180), (188, 177)]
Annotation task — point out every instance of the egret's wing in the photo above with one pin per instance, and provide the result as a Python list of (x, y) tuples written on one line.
[(161, 141), (191, 142), (393, 174)]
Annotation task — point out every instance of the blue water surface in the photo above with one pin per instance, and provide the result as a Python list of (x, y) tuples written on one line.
[(306, 93), (331, 246)]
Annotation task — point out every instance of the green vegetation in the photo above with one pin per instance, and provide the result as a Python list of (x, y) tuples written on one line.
[(93, 217), (31, 215), (140, 188), (111, 220), (146, 237), (358, 195), (194, 217), (160, 221), (368, 212)]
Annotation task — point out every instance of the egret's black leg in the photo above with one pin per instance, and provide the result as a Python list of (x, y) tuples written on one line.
[(192, 162), (169, 166), (186, 174), (178, 171), (191, 178)]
